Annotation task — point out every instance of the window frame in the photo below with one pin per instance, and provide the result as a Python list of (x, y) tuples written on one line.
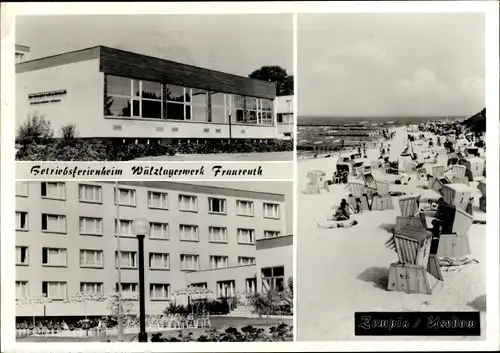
[(151, 290), (163, 255), (167, 231), (253, 260), (101, 284), (98, 187), (97, 251), (238, 208), (191, 197), (252, 235), (65, 223), (26, 186), (210, 233), (26, 221), (197, 257), (100, 234), (212, 259), (224, 205), (26, 255), (117, 197), (59, 285), (46, 248), (119, 229), (26, 283), (273, 277), (272, 204), (197, 232), (134, 257), (151, 193), (278, 234), (48, 197)]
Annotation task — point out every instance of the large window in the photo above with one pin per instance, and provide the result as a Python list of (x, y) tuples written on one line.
[(246, 261), (91, 258), (159, 291), (54, 190), (217, 234), (22, 255), (244, 208), (188, 232), (90, 193), (158, 231), (157, 200), (128, 259), (189, 262), (246, 236), (129, 290), (133, 98), (179, 103), (126, 197), (226, 289), (271, 234), (217, 262), (54, 290), (91, 287), (90, 226), (125, 229), (21, 289), (54, 257), (217, 205), (188, 203), (219, 103), (199, 110), (265, 112), (273, 278), (21, 220), (53, 223), (158, 261), (251, 110), (271, 210)]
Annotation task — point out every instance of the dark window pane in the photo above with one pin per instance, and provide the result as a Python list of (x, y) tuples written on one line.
[(280, 118), (137, 104), (44, 222), (136, 88), (175, 111), (188, 112), (44, 288), (119, 85), (267, 272), (151, 90), (239, 115), (279, 284), (44, 189), (44, 256), (117, 106), (188, 95), (175, 93), (278, 271), (151, 109)]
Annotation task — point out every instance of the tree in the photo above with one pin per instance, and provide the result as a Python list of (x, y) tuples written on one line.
[(284, 82), (35, 130)]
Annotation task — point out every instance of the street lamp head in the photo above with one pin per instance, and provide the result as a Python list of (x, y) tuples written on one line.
[(140, 226)]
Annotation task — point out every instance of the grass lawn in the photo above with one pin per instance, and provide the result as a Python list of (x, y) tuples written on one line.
[(219, 322)]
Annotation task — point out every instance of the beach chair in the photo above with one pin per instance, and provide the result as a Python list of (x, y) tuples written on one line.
[(316, 182), (382, 187), (459, 170), (453, 246), (357, 189), (409, 205), (418, 222), (437, 171)]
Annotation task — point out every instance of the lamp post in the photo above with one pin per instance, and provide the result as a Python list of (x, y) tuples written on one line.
[(140, 227)]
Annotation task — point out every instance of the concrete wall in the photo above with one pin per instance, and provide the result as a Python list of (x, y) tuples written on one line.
[(275, 252), (73, 274)]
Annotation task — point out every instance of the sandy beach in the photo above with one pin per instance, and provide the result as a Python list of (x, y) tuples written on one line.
[(342, 271)]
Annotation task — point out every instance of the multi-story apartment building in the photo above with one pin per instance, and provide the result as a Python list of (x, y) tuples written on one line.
[(114, 94), (200, 235)]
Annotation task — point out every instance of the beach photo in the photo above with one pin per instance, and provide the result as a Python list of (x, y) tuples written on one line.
[(391, 170), (154, 87), (154, 261)]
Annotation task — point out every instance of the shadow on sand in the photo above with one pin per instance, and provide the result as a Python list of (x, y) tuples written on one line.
[(388, 227), (379, 276), (479, 303)]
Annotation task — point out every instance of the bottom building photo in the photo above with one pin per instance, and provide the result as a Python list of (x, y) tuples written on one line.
[(154, 261)]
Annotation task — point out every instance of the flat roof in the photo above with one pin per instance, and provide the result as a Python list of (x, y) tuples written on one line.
[(139, 66), (23, 48)]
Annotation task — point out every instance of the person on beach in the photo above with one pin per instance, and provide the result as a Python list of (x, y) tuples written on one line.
[(342, 213), (337, 224)]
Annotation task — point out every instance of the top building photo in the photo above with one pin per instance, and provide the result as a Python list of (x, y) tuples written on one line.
[(154, 87)]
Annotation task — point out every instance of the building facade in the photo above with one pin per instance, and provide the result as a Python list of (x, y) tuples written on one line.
[(66, 242), (114, 94), (284, 116), (22, 53)]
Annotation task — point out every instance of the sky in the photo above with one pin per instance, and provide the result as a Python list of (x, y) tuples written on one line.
[(390, 64), (237, 44)]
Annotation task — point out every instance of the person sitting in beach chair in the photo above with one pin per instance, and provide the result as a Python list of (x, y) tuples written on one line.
[(342, 213)]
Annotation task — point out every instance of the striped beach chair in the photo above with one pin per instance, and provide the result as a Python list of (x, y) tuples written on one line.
[(357, 189), (409, 205), (437, 171), (459, 170), (382, 187)]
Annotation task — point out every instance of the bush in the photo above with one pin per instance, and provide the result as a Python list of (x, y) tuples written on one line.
[(35, 130)]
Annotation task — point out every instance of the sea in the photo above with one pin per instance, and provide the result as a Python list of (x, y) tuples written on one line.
[(304, 120)]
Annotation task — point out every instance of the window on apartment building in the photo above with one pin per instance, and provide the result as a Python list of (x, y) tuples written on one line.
[(91, 225), (271, 210), (218, 102), (226, 289), (246, 236), (91, 258), (128, 259), (246, 261), (217, 205), (217, 234), (158, 230), (157, 200), (21, 220), (159, 291), (21, 289), (54, 290), (90, 193), (244, 208), (53, 223), (92, 287), (126, 197), (273, 278), (189, 262), (22, 255), (251, 110), (271, 234), (188, 203), (158, 261), (54, 190), (200, 285), (188, 232), (22, 188), (133, 98), (217, 262), (129, 290), (54, 257), (251, 285), (279, 118), (125, 229)]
